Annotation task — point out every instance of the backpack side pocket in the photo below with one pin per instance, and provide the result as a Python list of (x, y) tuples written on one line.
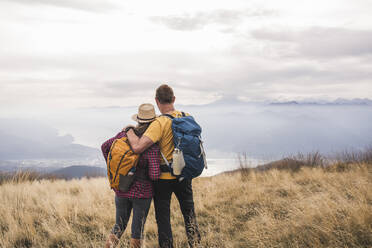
[(125, 182)]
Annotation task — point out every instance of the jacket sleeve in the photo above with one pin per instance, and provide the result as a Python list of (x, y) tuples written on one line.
[(105, 147), (153, 160)]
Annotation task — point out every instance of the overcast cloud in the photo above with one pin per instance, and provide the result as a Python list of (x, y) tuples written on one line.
[(52, 56), (75, 64), (321, 42), (89, 5), (227, 18)]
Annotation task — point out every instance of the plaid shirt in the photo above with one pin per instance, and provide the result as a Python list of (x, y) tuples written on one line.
[(149, 161)]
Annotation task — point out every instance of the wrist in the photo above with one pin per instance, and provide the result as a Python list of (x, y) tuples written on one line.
[(128, 128)]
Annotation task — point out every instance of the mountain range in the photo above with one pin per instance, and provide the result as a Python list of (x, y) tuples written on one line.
[(68, 172), (79, 171), (338, 101), (29, 139)]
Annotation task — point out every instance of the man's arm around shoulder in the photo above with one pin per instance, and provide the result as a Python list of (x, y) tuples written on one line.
[(138, 145)]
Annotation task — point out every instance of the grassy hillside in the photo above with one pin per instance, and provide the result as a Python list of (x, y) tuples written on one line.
[(312, 207)]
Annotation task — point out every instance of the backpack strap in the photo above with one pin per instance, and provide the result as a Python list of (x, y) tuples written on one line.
[(167, 167), (202, 153), (172, 117), (165, 159), (169, 116)]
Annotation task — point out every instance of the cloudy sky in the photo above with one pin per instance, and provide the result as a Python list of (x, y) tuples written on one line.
[(65, 66), (85, 53)]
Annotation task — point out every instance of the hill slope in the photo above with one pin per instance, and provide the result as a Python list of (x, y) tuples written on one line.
[(310, 208), (29, 139), (79, 171)]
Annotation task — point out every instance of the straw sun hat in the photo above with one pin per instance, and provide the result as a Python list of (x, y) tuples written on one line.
[(146, 113)]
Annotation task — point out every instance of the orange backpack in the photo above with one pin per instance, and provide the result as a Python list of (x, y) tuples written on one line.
[(120, 161)]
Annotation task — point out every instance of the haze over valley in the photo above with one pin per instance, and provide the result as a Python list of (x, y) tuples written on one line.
[(264, 131)]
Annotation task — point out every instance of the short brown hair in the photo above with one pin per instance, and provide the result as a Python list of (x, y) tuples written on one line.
[(164, 94)]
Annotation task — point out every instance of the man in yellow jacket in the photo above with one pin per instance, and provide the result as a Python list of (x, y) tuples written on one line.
[(160, 131)]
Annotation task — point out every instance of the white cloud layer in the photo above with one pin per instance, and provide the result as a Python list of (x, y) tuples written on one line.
[(88, 5), (64, 53)]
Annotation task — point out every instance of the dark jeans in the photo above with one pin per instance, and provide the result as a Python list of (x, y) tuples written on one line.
[(162, 199), (124, 207)]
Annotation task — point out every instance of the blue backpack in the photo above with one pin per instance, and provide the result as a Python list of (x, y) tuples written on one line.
[(187, 138)]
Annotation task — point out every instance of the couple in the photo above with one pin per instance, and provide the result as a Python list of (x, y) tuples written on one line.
[(153, 139)]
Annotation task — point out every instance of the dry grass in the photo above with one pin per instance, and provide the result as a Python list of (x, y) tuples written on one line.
[(24, 176), (355, 156), (314, 207)]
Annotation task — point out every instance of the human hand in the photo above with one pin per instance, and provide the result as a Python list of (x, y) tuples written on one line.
[(127, 128)]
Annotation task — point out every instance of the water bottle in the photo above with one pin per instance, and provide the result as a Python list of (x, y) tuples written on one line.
[(178, 162), (132, 171)]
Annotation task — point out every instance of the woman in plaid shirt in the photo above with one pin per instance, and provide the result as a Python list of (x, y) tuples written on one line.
[(140, 194)]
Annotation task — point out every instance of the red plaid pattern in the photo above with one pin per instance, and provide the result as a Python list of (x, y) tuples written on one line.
[(149, 160)]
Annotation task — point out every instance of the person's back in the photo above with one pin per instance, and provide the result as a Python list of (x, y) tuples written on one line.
[(141, 191), (160, 131), (146, 172)]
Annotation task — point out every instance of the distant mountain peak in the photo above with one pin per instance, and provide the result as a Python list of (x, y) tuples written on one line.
[(285, 103), (228, 100), (338, 101), (355, 101), (79, 171)]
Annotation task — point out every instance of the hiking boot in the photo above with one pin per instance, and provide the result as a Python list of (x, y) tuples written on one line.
[(135, 243), (112, 241)]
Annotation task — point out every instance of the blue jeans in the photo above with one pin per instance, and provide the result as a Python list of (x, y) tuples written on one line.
[(124, 208)]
